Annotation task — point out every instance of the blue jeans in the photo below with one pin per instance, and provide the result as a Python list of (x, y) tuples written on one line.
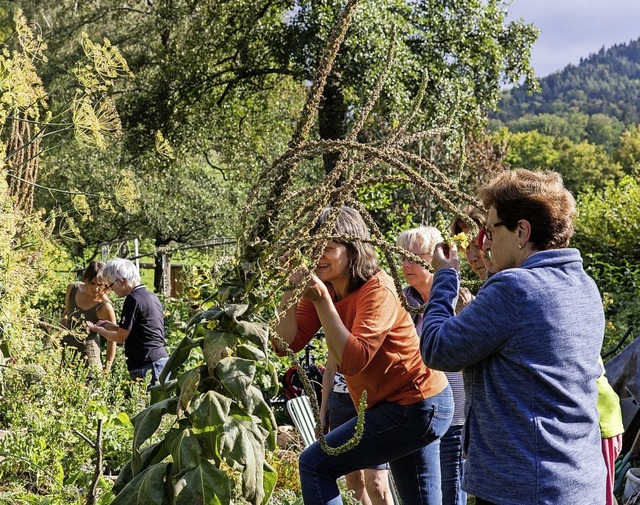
[(155, 367), (451, 466), (407, 436)]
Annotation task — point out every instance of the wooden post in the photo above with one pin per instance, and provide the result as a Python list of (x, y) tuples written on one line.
[(165, 281)]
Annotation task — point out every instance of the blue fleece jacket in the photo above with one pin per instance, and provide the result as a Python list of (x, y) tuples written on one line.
[(528, 346)]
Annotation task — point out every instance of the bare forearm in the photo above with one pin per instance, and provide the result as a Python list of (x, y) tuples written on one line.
[(336, 333)]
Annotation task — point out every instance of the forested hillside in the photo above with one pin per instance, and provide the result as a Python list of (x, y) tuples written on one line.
[(604, 83)]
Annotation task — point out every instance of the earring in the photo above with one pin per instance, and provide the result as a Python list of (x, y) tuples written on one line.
[(519, 246)]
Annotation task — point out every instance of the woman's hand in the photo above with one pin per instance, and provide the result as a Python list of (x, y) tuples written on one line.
[(92, 326), (316, 290), (445, 256)]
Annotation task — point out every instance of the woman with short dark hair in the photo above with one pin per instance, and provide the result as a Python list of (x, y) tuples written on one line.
[(529, 345)]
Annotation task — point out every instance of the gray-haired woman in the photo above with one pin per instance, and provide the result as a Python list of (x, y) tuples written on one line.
[(141, 325)]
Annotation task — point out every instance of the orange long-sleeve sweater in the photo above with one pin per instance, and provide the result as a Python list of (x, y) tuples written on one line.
[(382, 355)]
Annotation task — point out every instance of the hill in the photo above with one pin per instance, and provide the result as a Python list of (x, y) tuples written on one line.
[(607, 83)]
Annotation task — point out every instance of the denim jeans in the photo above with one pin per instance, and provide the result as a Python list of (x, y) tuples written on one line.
[(451, 466), (155, 367), (407, 436)]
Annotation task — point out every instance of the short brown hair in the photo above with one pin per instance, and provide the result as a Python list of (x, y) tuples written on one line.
[(538, 197), (362, 256), (94, 271)]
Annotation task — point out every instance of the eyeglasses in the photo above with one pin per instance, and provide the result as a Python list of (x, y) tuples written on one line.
[(423, 256), (109, 286), (486, 233)]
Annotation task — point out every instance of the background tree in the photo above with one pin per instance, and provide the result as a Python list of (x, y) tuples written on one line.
[(466, 52), (202, 79), (198, 64)]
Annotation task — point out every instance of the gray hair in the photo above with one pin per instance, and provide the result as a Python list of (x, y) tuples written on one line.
[(120, 268), (423, 238)]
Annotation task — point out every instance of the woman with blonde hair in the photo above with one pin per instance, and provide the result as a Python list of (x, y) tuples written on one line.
[(421, 241)]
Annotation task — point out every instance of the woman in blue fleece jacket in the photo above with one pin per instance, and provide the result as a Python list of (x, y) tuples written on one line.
[(528, 346)]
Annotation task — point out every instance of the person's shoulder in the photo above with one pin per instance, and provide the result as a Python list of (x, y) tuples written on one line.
[(73, 285)]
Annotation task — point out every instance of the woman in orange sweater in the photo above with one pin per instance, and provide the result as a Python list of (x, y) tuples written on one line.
[(374, 342)]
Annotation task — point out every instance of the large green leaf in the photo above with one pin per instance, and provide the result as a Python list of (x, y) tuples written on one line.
[(210, 314), (207, 414), (178, 357), (269, 480), (145, 425), (146, 488), (257, 333), (185, 451), (216, 346), (236, 375), (124, 477), (247, 351), (188, 383), (153, 453), (204, 484), (259, 408), (244, 447), (234, 311), (209, 409)]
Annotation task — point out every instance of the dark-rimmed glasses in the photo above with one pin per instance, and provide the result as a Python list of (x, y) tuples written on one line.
[(486, 232)]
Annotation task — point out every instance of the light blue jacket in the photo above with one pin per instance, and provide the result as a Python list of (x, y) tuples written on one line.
[(528, 346)]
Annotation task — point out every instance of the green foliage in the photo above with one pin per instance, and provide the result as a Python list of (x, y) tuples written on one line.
[(598, 128), (603, 83), (582, 164), (51, 414), (219, 420), (607, 227), (608, 220)]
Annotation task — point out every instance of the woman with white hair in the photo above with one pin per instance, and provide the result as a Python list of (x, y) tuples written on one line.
[(141, 326), (421, 241)]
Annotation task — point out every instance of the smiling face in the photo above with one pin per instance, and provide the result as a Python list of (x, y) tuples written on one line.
[(333, 265)]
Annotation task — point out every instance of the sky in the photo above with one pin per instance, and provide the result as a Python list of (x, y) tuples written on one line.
[(574, 29)]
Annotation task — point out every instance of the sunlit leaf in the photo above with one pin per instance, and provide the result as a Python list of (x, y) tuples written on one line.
[(147, 488), (204, 484)]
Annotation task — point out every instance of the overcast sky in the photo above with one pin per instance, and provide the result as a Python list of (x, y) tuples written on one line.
[(571, 29)]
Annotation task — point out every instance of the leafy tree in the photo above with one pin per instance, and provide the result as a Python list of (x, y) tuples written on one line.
[(197, 65), (628, 152), (581, 164), (465, 52), (204, 99), (585, 164), (607, 227), (608, 220)]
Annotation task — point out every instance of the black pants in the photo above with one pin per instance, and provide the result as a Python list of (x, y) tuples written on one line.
[(480, 501)]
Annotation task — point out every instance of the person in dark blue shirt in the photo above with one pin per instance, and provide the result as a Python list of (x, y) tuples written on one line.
[(141, 325)]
